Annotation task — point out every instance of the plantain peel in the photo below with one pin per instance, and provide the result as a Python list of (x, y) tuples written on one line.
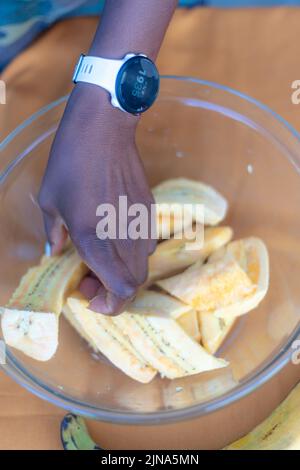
[(280, 431), (29, 321)]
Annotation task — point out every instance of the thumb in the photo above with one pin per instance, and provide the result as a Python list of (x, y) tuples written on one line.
[(107, 302), (56, 232)]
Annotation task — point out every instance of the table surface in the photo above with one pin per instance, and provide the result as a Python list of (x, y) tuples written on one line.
[(254, 51)]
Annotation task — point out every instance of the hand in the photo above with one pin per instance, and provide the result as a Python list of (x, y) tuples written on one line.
[(94, 160)]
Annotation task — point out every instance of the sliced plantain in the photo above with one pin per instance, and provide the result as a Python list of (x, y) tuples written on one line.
[(169, 221), (29, 322), (215, 238), (106, 336), (211, 286), (149, 302), (139, 344), (214, 330), (189, 322), (182, 191), (173, 255), (252, 255), (166, 346), (77, 325), (233, 281), (33, 333)]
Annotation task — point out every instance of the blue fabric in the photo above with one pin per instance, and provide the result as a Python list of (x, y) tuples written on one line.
[(22, 20)]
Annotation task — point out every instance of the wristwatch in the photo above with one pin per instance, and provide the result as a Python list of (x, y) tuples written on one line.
[(132, 82)]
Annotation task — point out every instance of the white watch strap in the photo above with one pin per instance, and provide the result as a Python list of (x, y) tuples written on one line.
[(99, 71)]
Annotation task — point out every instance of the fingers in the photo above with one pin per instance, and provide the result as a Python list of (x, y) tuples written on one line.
[(89, 287), (134, 254), (152, 244), (101, 300), (135, 251), (56, 232), (103, 260), (107, 303)]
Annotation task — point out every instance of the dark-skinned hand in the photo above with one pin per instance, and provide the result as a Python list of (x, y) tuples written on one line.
[(94, 160)]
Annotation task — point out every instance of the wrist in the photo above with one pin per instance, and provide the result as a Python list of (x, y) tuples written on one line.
[(94, 100)]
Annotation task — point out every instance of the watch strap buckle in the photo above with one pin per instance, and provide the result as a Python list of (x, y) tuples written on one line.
[(77, 68)]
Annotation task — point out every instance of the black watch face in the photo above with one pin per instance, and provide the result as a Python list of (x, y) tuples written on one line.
[(137, 84)]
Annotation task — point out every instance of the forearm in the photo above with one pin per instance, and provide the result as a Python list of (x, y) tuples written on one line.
[(132, 26), (94, 159)]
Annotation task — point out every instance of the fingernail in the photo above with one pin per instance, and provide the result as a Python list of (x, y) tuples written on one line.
[(47, 249), (92, 300), (91, 306)]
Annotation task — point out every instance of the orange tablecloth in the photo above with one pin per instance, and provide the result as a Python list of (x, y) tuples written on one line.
[(254, 51)]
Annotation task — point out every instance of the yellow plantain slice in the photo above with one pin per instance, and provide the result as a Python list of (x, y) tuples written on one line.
[(149, 302), (214, 330), (211, 286), (166, 346), (140, 345), (168, 223), (106, 336), (252, 255), (173, 255), (182, 191), (189, 322), (233, 281), (29, 322), (72, 319)]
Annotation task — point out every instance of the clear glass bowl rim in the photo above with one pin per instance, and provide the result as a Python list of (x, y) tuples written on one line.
[(31, 383)]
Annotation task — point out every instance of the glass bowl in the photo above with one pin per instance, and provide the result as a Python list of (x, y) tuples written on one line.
[(197, 130)]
